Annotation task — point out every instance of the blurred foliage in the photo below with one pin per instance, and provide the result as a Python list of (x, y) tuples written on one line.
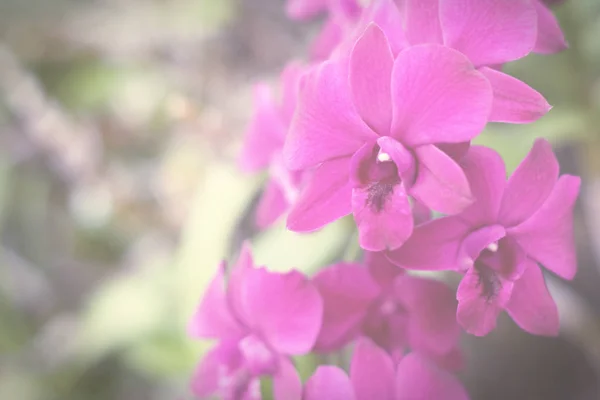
[(101, 270)]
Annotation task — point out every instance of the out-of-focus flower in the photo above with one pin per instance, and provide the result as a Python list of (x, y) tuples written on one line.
[(263, 143), (500, 239), (259, 318), (395, 310), (374, 375)]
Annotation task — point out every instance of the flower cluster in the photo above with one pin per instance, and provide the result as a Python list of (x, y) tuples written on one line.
[(379, 124)]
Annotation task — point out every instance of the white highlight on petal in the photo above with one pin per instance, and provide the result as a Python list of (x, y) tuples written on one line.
[(383, 157), (493, 247)]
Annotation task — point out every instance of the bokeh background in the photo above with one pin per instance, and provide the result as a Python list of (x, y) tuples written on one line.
[(120, 121)]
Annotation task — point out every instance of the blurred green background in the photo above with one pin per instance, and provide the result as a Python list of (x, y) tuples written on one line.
[(120, 121)]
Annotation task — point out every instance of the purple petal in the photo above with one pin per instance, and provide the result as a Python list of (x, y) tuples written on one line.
[(432, 312), (477, 312), (213, 318), (400, 155), (326, 197), (286, 382), (441, 183), (220, 362), (237, 279), (290, 86), (437, 96), (419, 379), (514, 101), (327, 40), (265, 134), (477, 241), (530, 184), (422, 21), (485, 171), (347, 291), (550, 38), (547, 236), (285, 310), (326, 124), (372, 372), (531, 305), (328, 383), (383, 215), (452, 361), (371, 64), (432, 246), (381, 269), (386, 15), (271, 206), (489, 31), (304, 9)]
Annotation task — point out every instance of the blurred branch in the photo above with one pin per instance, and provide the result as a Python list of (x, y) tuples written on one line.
[(73, 148)]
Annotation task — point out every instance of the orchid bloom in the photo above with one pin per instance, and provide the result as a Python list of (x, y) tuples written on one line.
[(395, 310), (371, 122), (492, 32), (499, 241), (263, 144), (488, 32), (260, 319), (374, 375)]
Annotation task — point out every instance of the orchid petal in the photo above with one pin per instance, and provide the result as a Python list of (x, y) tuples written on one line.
[(371, 65), (550, 38), (485, 171), (272, 205), (386, 15), (477, 312), (285, 310), (223, 359), (422, 21), (437, 96), (304, 9), (372, 372), (432, 309), (213, 318), (440, 184), (383, 215), (286, 382), (347, 291), (531, 306), (489, 31), (328, 383), (547, 236), (265, 134), (433, 246), (326, 124), (419, 379), (326, 197), (530, 184), (514, 101)]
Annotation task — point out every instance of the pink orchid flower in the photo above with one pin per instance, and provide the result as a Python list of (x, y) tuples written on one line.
[(395, 310), (488, 32), (374, 375), (263, 144), (499, 241), (371, 122), (256, 334)]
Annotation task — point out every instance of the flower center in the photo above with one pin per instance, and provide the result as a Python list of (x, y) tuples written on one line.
[(377, 170), (259, 358), (489, 281)]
